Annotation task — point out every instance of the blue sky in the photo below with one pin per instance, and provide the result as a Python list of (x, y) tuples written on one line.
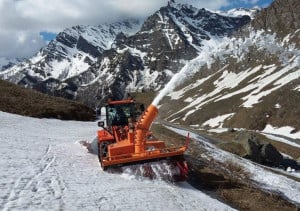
[(247, 4), (48, 36), (28, 25)]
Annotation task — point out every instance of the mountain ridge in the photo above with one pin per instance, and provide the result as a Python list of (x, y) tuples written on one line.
[(238, 65), (252, 81), (75, 71)]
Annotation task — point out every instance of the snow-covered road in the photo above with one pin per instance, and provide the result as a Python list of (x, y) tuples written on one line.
[(43, 167)]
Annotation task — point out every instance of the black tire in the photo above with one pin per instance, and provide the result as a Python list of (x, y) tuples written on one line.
[(102, 152)]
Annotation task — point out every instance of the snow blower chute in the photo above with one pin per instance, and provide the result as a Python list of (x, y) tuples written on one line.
[(126, 139)]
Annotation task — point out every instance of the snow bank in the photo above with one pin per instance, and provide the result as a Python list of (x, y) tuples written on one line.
[(43, 167)]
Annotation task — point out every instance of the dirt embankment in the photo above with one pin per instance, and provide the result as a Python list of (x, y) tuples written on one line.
[(27, 102), (223, 182)]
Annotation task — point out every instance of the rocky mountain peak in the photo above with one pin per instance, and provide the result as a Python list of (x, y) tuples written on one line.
[(281, 17), (90, 62), (252, 80), (6, 63)]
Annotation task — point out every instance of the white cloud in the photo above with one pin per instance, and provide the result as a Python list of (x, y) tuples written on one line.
[(210, 4), (22, 20), (19, 44)]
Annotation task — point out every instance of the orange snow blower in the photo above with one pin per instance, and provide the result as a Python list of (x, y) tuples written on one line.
[(125, 139)]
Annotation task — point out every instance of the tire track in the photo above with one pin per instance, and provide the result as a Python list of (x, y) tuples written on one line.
[(35, 184), (60, 190)]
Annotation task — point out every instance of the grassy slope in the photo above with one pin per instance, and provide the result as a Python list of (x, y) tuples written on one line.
[(27, 102)]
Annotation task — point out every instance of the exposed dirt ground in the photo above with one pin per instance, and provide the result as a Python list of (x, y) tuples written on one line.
[(206, 176)]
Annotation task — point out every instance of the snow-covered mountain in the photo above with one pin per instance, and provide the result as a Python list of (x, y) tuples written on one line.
[(6, 63), (241, 12), (70, 54), (249, 81), (88, 63), (148, 59)]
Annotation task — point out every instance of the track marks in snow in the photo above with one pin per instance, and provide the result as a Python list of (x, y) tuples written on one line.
[(52, 171), (39, 186)]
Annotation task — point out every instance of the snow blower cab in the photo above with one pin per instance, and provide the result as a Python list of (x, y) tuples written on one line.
[(126, 140)]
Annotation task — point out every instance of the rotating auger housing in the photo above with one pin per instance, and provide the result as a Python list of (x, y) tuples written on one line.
[(126, 138)]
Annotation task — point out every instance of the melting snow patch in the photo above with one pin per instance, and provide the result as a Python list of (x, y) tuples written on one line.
[(277, 79), (178, 94), (286, 131), (218, 130), (281, 139), (218, 121), (277, 105), (188, 100), (297, 88), (188, 113), (268, 66)]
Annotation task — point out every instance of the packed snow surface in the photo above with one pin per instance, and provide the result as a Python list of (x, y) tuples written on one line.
[(43, 167)]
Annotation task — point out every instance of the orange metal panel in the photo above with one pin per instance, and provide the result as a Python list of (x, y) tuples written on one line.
[(121, 147), (103, 135), (120, 102), (122, 159)]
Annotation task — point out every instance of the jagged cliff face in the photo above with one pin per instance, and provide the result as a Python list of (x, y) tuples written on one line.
[(71, 54), (251, 80), (89, 63), (149, 58), (282, 18)]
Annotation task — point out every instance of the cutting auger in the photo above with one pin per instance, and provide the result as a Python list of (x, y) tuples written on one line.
[(125, 140)]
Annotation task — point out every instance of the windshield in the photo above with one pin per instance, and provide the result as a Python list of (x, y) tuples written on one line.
[(118, 114)]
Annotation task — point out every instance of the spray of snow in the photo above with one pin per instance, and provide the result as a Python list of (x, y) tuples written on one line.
[(209, 49), (160, 170)]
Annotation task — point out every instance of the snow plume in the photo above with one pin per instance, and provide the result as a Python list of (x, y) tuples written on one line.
[(176, 80), (209, 49), (236, 48), (160, 170)]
